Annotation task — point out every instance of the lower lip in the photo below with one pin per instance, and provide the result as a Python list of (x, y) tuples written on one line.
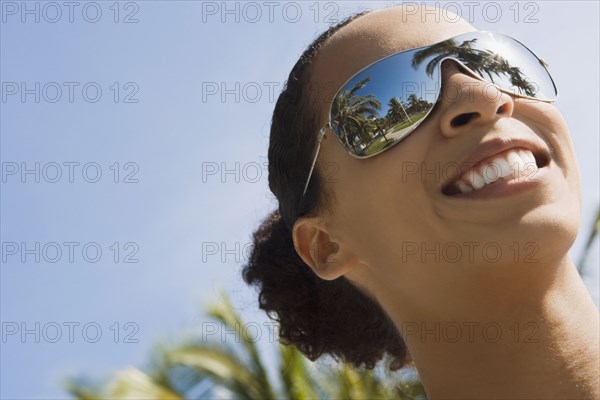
[(503, 188)]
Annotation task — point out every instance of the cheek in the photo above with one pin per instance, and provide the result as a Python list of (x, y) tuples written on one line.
[(379, 205), (549, 124)]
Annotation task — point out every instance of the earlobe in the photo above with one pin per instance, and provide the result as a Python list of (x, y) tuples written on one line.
[(323, 255)]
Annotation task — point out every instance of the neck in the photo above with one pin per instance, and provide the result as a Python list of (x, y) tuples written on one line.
[(536, 337)]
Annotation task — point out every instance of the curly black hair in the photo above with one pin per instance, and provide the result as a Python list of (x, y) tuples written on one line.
[(317, 316)]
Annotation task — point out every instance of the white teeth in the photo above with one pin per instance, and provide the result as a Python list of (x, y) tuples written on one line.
[(530, 166), (503, 165), (527, 156), (516, 162), (523, 164), (476, 180), (463, 187), (491, 172), (513, 164)]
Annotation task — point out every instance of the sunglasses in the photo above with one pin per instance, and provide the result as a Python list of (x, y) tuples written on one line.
[(387, 100)]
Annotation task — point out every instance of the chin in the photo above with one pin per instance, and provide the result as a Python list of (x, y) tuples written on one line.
[(553, 228)]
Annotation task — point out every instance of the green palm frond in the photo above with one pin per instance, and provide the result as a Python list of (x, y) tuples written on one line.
[(132, 383), (128, 384), (589, 242), (224, 369), (224, 312), (359, 384), (81, 391), (296, 380)]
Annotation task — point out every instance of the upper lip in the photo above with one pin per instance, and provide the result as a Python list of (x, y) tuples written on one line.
[(499, 145)]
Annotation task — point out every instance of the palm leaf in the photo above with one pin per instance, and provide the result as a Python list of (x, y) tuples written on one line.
[(223, 311), (128, 384), (133, 384), (588, 245), (296, 380), (223, 368), (82, 392)]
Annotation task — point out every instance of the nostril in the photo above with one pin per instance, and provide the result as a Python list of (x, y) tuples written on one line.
[(462, 119), (501, 109)]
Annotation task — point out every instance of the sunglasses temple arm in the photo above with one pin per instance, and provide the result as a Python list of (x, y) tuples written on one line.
[(312, 167)]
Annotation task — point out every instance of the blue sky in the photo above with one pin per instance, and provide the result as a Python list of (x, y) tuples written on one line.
[(156, 133)]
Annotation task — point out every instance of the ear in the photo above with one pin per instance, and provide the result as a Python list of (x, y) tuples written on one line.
[(327, 258)]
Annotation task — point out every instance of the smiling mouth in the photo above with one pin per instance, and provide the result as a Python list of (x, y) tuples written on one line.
[(514, 165)]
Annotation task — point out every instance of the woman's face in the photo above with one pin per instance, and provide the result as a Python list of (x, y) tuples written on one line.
[(391, 207)]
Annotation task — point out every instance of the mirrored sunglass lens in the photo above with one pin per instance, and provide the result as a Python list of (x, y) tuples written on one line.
[(383, 104), (503, 61)]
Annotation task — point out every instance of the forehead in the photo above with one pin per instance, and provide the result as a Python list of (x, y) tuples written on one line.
[(379, 34)]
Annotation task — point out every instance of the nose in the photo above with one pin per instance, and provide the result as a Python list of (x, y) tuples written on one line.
[(468, 102)]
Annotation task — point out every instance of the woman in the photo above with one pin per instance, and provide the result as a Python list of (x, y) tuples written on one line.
[(434, 228)]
